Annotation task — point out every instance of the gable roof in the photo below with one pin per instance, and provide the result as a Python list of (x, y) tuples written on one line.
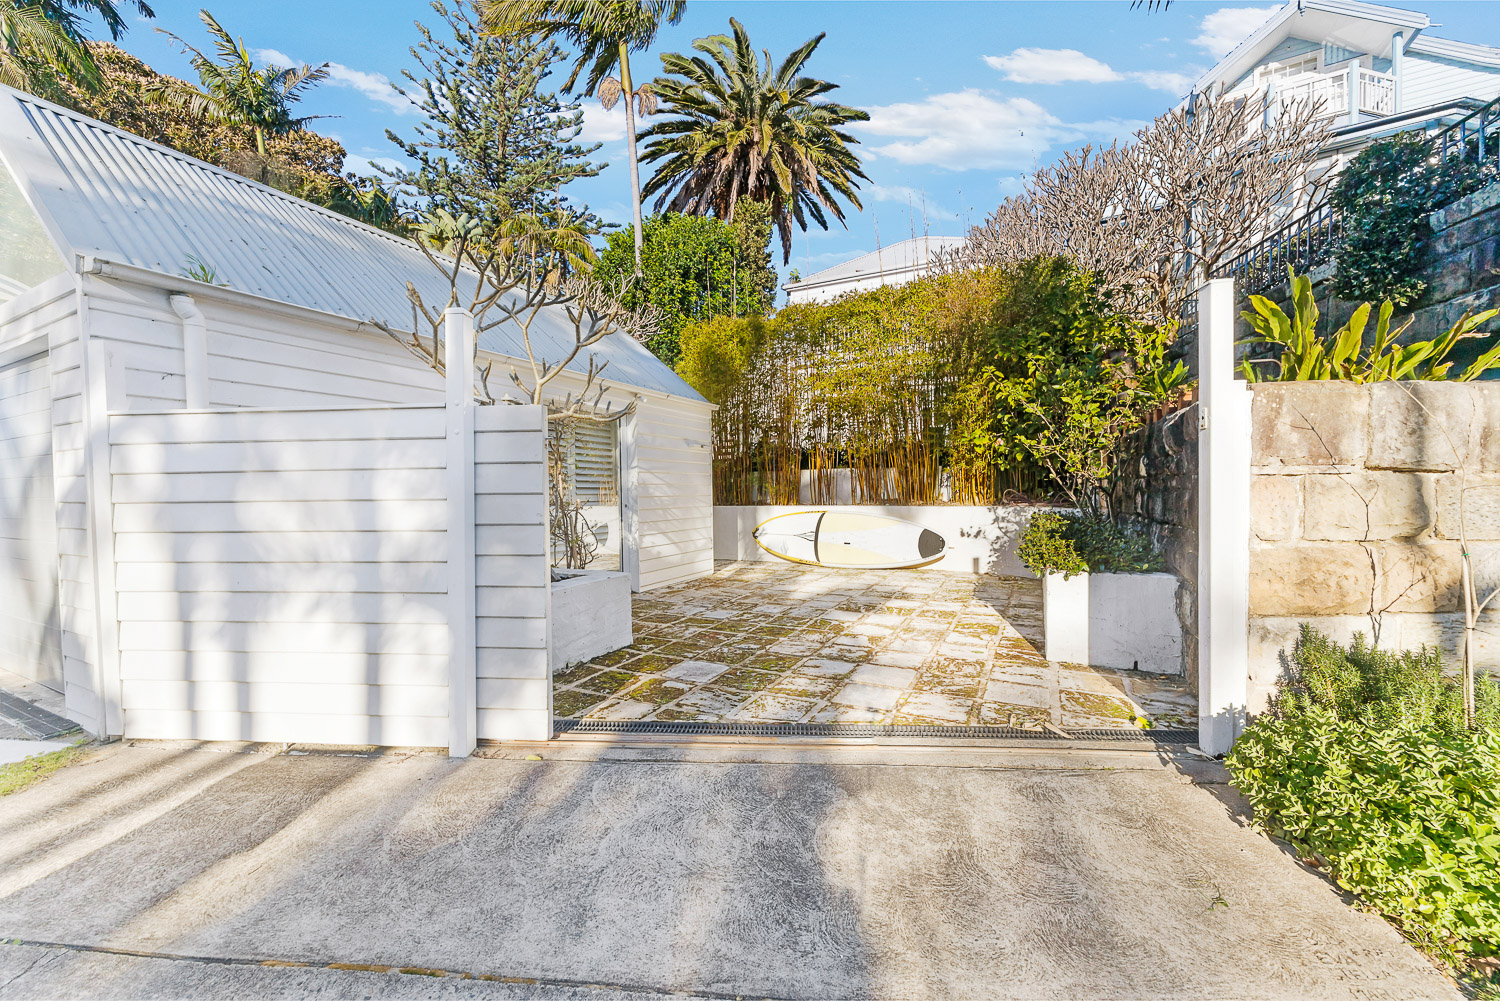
[(1349, 24), (899, 260), (109, 194)]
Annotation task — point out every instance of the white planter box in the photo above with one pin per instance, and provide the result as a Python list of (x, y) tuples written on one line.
[(1123, 621), (590, 615)]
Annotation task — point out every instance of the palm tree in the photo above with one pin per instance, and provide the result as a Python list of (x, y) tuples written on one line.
[(42, 42), (604, 33), (70, 14), (35, 51), (234, 90), (744, 131)]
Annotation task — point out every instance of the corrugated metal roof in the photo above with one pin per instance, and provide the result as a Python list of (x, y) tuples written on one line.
[(895, 259), (114, 195)]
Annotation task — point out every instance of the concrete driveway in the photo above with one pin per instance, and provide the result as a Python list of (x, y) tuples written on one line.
[(787, 870)]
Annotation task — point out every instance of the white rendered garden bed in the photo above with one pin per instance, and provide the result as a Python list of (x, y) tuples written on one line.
[(590, 615), (1124, 621)]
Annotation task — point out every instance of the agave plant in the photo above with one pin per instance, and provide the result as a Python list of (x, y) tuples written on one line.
[(1305, 356)]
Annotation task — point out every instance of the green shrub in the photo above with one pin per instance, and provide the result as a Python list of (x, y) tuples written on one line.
[(1405, 816), (1363, 764), (1070, 544), (1305, 356), (1044, 550), (1384, 196), (1382, 687)]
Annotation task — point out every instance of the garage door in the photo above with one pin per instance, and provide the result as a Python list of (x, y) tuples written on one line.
[(29, 634)]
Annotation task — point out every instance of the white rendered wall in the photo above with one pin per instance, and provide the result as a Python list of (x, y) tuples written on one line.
[(978, 539)]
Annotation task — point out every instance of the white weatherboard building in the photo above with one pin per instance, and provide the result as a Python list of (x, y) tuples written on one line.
[(1378, 69), (240, 511), (894, 265)]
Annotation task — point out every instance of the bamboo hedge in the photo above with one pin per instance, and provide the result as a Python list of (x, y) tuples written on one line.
[(885, 390)]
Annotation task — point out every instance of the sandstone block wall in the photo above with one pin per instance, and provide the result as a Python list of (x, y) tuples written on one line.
[(1359, 499), (1160, 492)]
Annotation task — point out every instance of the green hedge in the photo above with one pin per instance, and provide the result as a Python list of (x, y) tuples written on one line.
[(1363, 763)]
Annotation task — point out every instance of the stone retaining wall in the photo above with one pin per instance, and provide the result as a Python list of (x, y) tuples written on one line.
[(1460, 264), (1355, 526), (1160, 493)]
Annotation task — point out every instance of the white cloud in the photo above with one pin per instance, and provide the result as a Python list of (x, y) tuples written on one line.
[(973, 130), (902, 194), (1052, 66), (1168, 80), (600, 126), (375, 86), (1012, 185), (1220, 31)]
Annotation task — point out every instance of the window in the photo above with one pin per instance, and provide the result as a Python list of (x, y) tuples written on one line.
[(27, 257), (588, 454), (1290, 68)]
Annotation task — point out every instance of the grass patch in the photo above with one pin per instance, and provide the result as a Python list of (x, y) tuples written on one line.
[(22, 774)]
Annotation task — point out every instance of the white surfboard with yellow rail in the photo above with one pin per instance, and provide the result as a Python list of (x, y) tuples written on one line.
[(849, 541)]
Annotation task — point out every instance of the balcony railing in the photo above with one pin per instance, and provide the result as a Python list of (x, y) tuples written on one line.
[(1374, 93)]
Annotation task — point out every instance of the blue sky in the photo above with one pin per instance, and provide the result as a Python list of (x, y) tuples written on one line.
[(965, 98)]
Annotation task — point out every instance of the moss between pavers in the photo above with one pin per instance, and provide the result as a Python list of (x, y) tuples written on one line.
[(678, 716), (688, 649), (573, 702), (1095, 704), (573, 675), (777, 631), (776, 662), (658, 691), (653, 663), (610, 682), (744, 679)]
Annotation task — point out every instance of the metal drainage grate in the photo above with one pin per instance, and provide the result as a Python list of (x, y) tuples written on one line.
[(32, 718), (563, 725)]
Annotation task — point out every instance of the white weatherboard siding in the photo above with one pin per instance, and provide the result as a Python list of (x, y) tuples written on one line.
[(300, 596), (29, 615), (1427, 80), (674, 490), (511, 573)]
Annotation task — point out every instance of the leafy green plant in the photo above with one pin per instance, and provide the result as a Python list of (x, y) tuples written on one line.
[(1071, 544), (694, 268), (201, 271), (1384, 196), (1364, 764), (1307, 356), (1044, 550)]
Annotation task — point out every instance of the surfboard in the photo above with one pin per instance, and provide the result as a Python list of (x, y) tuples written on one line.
[(848, 541)]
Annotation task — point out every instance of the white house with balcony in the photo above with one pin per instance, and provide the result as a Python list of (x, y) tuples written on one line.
[(1378, 69)]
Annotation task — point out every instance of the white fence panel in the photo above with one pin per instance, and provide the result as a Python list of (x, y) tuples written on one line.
[(282, 575), (511, 573)]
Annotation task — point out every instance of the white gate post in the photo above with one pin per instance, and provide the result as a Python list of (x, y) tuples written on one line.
[(1223, 524), (463, 683)]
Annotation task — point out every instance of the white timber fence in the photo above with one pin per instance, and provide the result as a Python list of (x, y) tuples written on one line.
[(352, 575)]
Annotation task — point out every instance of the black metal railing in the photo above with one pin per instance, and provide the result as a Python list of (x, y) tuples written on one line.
[(1475, 139), (1304, 243), (1312, 239)]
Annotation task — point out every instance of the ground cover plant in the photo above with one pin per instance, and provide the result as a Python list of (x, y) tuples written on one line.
[(19, 775), (1365, 765)]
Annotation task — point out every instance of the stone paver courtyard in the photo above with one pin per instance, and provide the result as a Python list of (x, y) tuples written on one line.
[(775, 643)]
